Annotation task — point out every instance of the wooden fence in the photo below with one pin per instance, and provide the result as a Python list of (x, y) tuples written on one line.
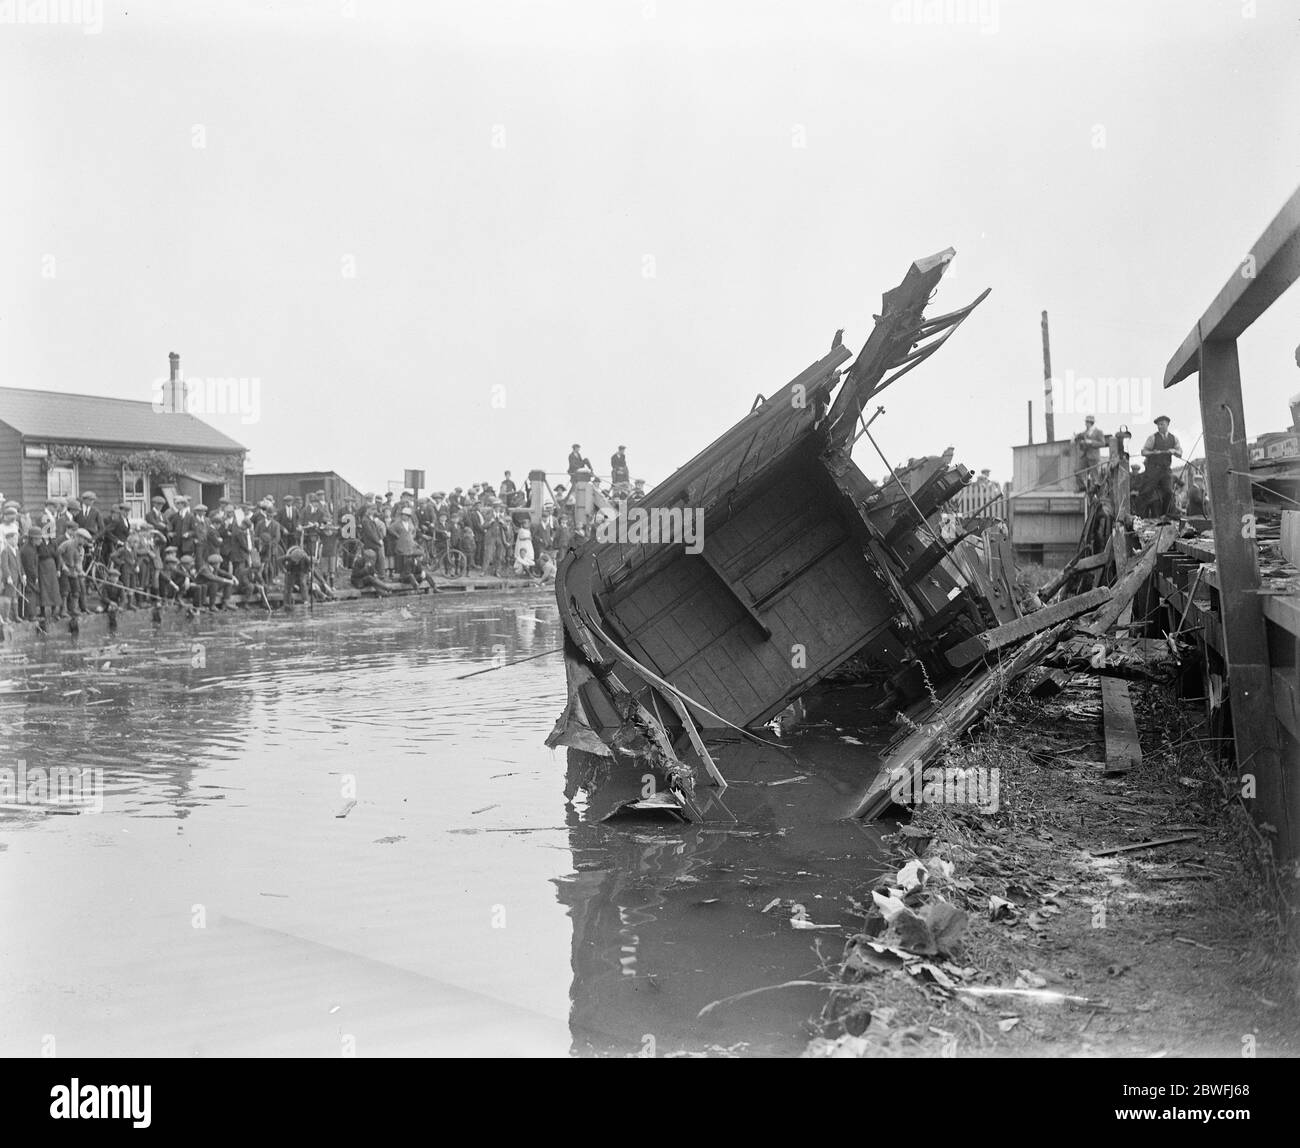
[(970, 499)]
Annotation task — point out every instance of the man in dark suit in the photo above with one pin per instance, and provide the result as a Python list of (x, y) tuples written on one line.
[(158, 517), (183, 536), (291, 523), (618, 471), (117, 529), (577, 462), (237, 551), (91, 518), (372, 530)]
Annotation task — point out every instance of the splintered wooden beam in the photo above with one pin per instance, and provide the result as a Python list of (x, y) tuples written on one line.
[(1128, 586), (1123, 749), (952, 716), (1073, 567), (1269, 268), (1009, 633)]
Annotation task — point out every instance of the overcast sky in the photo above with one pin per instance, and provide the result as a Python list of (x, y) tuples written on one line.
[(461, 236)]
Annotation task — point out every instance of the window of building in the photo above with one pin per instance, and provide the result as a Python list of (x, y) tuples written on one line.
[(61, 481), (135, 492)]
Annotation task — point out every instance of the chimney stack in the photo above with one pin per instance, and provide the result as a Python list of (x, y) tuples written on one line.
[(176, 395)]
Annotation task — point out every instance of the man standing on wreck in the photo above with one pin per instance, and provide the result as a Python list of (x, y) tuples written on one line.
[(577, 462), (619, 475), (1089, 441), (1158, 483)]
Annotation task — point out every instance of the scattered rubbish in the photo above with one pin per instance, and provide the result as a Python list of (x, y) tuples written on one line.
[(1037, 996), (1000, 907), (799, 919), (347, 808)]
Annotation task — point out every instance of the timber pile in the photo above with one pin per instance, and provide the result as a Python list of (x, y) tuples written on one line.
[(1074, 639)]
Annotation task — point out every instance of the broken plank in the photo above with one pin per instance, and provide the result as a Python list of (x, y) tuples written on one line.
[(1093, 561), (1144, 845), (972, 649), (1123, 750)]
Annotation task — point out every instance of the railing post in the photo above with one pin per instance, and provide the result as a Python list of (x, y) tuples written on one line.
[(1254, 720)]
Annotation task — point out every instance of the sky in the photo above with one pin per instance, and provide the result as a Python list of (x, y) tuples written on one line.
[(460, 237)]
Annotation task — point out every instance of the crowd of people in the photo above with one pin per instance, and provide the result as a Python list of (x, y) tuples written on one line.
[(71, 556)]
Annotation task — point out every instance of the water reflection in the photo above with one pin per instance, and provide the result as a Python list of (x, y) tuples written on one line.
[(466, 903), (668, 918)]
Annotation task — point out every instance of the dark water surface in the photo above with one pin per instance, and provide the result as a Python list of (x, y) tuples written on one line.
[(219, 905)]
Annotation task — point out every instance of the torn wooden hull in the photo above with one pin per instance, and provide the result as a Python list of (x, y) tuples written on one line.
[(799, 562)]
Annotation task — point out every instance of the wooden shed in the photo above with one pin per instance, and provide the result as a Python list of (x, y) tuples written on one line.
[(300, 483), (1046, 512), (124, 450)]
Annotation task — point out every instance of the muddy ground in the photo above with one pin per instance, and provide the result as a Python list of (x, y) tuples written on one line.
[(1179, 950)]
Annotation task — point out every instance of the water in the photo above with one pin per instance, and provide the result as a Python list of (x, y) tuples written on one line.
[(220, 905)]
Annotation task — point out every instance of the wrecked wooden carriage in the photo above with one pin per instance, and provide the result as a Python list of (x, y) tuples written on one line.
[(804, 563)]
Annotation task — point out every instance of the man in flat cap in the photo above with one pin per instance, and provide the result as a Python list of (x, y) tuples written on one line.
[(1158, 485), (72, 579), (158, 517), (182, 535), (619, 475), (29, 560), (290, 519), (577, 462), (1088, 443), (91, 518)]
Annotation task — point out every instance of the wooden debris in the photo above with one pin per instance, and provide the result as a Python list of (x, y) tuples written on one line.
[(1145, 845), (1128, 586), (1009, 633), (951, 717), (1123, 750)]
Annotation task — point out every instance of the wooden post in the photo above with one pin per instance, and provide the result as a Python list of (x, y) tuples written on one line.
[(1030, 440), (1047, 384), (1254, 721)]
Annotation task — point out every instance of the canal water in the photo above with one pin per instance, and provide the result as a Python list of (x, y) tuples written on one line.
[(316, 839)]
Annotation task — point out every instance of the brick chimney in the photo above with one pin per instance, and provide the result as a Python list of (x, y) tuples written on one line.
[(176, 394)]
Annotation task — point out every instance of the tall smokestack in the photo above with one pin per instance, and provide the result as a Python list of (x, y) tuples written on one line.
[(1047, 383), (175, 385)]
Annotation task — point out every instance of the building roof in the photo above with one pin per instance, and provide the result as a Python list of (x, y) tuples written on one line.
[(97, 418), (296, 474)]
